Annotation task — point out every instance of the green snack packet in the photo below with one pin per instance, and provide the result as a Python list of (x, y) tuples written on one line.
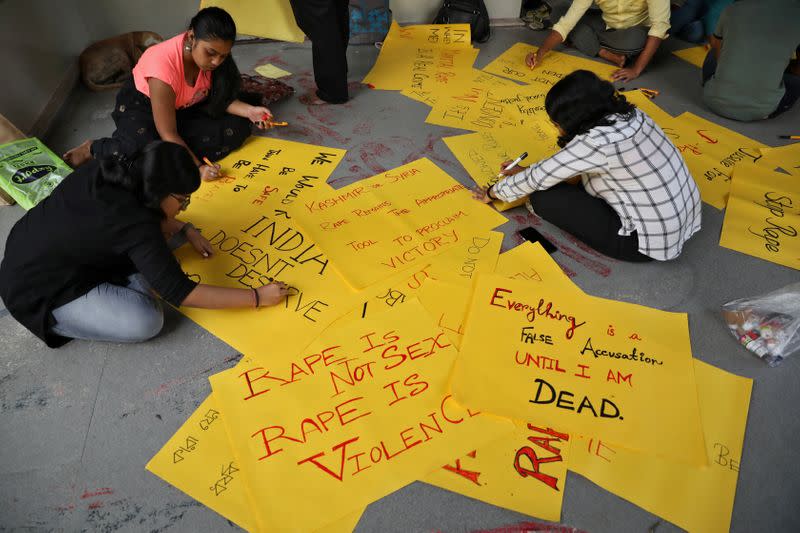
[(29, 171)]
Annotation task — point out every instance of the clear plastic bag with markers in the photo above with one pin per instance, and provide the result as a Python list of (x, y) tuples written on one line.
[(768, 325)]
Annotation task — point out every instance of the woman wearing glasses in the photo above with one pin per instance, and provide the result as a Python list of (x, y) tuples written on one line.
[(85, 262)]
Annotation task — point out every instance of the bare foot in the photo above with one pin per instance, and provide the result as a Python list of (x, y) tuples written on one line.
[(78, 155), (613, 57)]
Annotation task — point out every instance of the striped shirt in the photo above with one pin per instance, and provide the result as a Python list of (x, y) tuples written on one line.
[(634, 168)]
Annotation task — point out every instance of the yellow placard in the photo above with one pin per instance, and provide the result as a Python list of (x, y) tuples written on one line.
[(245, 218), (199, 460), (524, 472), (786, 157), (529, 262), (696, 499), (710, 152), (695, 55), (475, 254), (473, 107), (638, 98), (430, 91), (589, 366), (363, 411), (763, 215), (481, 153), (272, 19), (554, 66), (411, 54), (398, 219), (447, 303), (271, 71)]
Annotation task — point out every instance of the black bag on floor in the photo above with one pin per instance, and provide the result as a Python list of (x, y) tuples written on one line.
[(472, 12)]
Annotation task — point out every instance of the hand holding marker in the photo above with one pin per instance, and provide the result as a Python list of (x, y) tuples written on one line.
[(512, 164), (267, 123), (485, 195)]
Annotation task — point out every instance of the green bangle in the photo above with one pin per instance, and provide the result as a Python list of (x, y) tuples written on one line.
[(186, 227)]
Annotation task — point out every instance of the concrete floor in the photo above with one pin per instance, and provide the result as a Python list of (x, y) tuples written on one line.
[(79, 424)]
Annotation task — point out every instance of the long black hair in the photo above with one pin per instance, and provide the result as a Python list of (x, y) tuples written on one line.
[(160, 169), (581, 101), (209, 24)]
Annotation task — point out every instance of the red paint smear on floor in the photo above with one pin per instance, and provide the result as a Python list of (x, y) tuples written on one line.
[(529, 527), (324, 130), (179, 381), (595, 266), (276, 59), (370, 154), (105, 491), (95, 505), (323, 113), (362, 128)]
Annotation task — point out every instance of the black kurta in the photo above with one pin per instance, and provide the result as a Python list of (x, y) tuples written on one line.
[(86, 233)]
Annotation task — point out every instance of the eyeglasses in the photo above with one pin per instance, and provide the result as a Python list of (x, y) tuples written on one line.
[(184, 200)]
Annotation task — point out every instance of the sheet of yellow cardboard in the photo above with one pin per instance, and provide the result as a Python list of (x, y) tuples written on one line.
[(271, 71), (421, 46), (272, 19), (524, 472), (786, 157), (697, 499), (379, 226), (481, 153), (530, 262), (695, 55), (554, 66), (475, 254), (430, 91), (198, 459), (763, 215), (710, 152), (659, 116), (245, 218), (585, 365), (361, 412), (473, 107)]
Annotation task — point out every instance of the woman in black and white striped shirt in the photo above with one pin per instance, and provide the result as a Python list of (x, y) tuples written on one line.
[(632, 198)]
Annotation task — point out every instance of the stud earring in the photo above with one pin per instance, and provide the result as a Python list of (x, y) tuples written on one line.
[(188, 48)]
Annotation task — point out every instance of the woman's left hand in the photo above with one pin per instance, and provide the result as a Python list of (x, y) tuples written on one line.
[(200, 244), (625, 74), (481, 194), (259, 115)]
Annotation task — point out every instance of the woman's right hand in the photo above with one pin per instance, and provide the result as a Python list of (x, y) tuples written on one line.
[(511, 171), (209, 172), (272, 293)]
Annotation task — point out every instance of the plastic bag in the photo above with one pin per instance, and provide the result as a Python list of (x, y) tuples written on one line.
[(29, 171), (768, 325)]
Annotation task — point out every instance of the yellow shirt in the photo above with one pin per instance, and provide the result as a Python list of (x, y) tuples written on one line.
[(620, 14)]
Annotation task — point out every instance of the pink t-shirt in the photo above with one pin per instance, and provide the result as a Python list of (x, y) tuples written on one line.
[(164, 61)]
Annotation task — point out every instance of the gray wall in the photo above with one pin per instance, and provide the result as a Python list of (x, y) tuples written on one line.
[(41, 41)]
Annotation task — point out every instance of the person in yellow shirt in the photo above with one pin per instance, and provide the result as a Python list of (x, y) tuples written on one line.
[(619, 30)]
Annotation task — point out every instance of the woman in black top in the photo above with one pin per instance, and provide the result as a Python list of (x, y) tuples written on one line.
[(81, 264)]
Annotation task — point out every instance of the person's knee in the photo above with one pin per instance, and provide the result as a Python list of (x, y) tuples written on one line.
[(142, 324)]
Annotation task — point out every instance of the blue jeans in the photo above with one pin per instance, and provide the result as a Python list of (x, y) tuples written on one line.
[(685, 22), (112, 313)]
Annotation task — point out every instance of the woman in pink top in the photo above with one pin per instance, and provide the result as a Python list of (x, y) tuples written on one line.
[(184, 90)]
